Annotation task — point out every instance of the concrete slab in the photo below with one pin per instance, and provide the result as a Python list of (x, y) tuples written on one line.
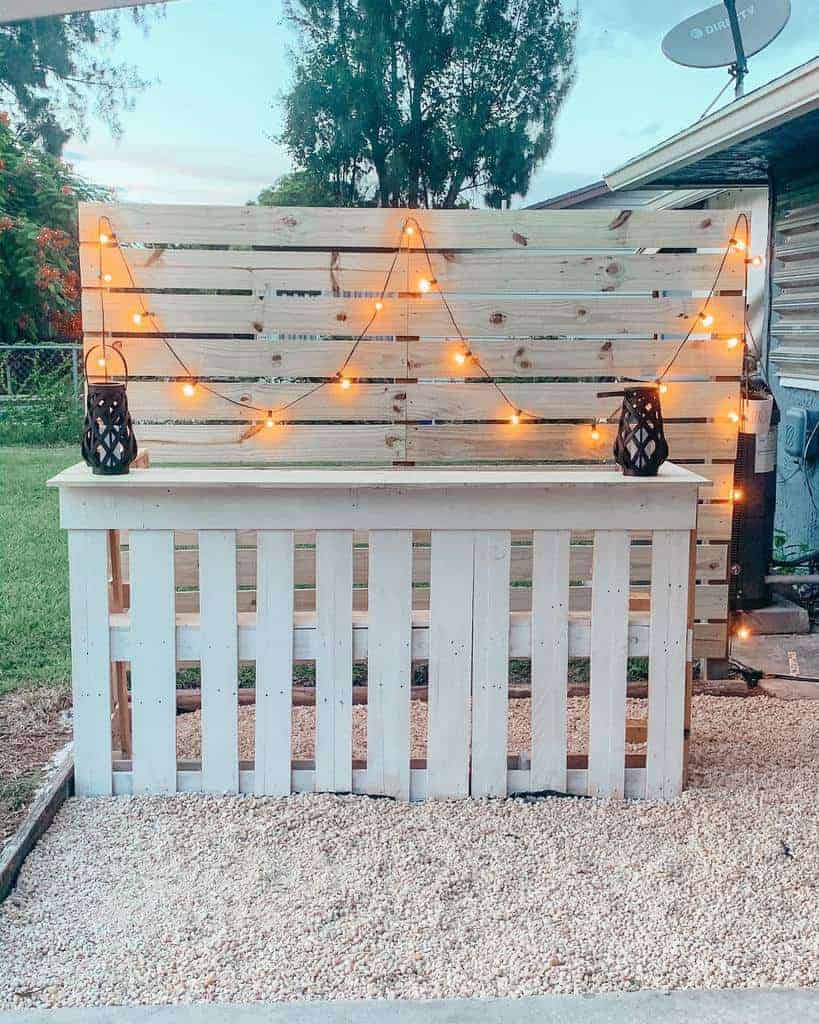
[(785, 656), (781, 616), (736, 1006)]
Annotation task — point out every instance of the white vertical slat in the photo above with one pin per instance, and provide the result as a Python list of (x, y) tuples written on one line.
[(90, 661), (274, 662), (219, 628), (550, 658), (609, 663), (334, 661), (490, 662), (666, 663), (153, 660), (450, 663), (389, 663)]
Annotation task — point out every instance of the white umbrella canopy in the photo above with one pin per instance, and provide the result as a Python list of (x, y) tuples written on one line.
[(18, 10)]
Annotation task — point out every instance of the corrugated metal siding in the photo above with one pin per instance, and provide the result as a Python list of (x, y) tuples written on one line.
[(794, 342)]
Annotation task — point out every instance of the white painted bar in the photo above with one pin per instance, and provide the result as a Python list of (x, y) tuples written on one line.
[(450, 663), (90, 661), (153, 661), (274, 661), (220, 661), (609, 663), (490, 663), (334, 661), (389, 667), (550, 657), (666, 666)]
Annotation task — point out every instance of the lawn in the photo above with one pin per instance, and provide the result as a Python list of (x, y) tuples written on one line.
[(34, 647)]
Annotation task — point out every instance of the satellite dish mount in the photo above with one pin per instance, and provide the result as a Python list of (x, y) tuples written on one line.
[(739, 69)]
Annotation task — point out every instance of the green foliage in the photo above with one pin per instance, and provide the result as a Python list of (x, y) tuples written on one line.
[(420, 101), (304, 188), (47, 413), (53, 70), (39, 262)]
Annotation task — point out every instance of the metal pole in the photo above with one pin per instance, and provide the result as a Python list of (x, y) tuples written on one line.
[(75, 376), (739, 69)]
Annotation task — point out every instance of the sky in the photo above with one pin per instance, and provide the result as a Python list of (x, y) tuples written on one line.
[(204, 131)]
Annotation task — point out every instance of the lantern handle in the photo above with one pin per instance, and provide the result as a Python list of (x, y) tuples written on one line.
[(104, 349)]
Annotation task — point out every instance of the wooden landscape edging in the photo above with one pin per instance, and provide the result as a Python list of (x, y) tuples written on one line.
[(40, 815)]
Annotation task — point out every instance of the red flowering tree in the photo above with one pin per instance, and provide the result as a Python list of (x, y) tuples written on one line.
[(39, 261)]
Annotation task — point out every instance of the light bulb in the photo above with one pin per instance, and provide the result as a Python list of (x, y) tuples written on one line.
[(104, 239), (101, 362), (663, 388), (743, 633), (707, 319), (379, 305), (755, 261), (737, 243), (188, 389), (409, 229), (137, 318), (733, 417), (460, 358), (269, 421), (732, 342), (595, 433), (106, 278), (514, 419), (424, 285), (345, 383), (737, 494)]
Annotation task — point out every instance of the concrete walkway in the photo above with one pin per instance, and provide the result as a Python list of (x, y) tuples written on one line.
[(737, 1006)]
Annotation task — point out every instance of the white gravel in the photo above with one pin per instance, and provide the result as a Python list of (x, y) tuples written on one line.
[(146, 900)]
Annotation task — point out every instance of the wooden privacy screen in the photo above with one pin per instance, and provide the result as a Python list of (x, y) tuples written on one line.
[(262, 303)]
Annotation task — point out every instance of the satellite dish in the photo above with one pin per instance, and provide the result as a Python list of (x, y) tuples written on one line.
[(726, 34)]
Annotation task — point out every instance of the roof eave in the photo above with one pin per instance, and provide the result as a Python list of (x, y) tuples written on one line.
[(778, 102)]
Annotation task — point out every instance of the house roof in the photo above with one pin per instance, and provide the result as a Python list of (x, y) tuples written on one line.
[(738, 144), (598, 195), (21, 10)]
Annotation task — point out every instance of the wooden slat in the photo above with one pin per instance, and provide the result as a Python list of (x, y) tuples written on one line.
[(90, 661), (550, 654), (274, 663), (253, 358), (490, 663), (501, 317), (314, 227), (220, 661), (153, 661), (389, 667), (666, 664), (164, 400), (609, 656), (334, 661), (337, 272), (450, 654)]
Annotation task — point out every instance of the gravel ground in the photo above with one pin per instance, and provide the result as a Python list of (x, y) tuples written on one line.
[(189, 729), (185, 899)]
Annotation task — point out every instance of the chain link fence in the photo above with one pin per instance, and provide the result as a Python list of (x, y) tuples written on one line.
[(41, 392)]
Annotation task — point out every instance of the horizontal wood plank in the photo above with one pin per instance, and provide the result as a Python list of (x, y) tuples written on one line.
[(350, 273), (314, 228), (520, 358), (500, 317)]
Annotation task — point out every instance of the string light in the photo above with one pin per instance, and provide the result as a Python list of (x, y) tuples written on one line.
[(102, 362), (137, 318), (104, 238), (743, 633), (189, 389), (462, 357), (514, 419), (737, 494), (737, 243), (755, 261), (595, 433), (379, 305), (662, 387), (269, 422), (706, 318), (345, 383), (107, 278), (733, 416), (424, 285), (732, 342), (409, 229)]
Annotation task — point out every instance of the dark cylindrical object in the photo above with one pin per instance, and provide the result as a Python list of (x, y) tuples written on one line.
[(640, 447), (108, 443), (753, 517)]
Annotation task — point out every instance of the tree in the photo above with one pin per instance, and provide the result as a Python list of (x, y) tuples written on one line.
[(304, 188), (427, 99), (53, 70), (39, 264)]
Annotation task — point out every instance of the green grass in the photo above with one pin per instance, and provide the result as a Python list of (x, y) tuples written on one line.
[(34, 632)]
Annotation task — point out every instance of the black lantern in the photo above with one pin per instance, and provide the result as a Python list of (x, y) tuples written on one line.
[(640, 447), (108, 443)]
